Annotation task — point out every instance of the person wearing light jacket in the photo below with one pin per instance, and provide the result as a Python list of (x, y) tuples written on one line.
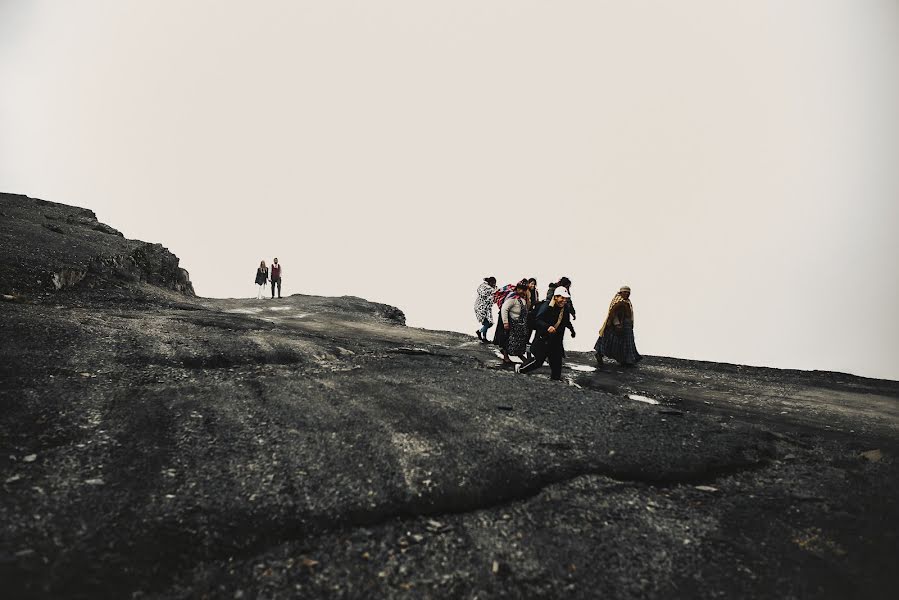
[(514, 314), (483, 307)]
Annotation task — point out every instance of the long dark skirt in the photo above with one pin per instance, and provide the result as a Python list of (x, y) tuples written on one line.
[(619, 345), (500, 336), (518, 337)]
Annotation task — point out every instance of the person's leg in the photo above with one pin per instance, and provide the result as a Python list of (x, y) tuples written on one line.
[(536, 362), (485, 325), (279, 287), (273, 288), (597, 350), (555, 363)]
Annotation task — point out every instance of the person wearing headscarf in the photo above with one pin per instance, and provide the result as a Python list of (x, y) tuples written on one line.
[(551, 321), (483, 302), (499, 296), (616, 336), (514, 315)]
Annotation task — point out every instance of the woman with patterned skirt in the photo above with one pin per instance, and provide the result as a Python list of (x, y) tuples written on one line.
[(501, 334), (514, 315), (616, 337)]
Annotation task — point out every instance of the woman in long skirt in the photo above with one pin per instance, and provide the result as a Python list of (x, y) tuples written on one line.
[(514, 314), (500, 335), (483, 311), (616, 337)]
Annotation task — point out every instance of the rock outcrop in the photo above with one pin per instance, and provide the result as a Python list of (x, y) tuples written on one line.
[(46, 247), (318, 448)]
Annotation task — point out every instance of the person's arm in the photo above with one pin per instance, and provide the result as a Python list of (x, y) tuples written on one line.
[(507, 306), (572, 311), (540, 320)]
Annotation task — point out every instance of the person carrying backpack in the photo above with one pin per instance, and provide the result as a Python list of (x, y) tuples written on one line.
[(514, 314), (550, 322)]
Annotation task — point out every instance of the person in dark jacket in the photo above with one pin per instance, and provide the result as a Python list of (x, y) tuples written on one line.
[(276, 277), (261, 279), (565, 283), (551, 321), (535, 294)]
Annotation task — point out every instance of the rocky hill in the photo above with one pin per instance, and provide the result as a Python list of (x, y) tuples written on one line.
[(45, 247), (158, 445)]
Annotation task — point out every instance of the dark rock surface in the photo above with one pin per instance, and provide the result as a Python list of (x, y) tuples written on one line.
[(46, 247), (158, 445)]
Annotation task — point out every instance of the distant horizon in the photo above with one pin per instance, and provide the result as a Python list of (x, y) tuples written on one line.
[(735, 164), (579, 347)]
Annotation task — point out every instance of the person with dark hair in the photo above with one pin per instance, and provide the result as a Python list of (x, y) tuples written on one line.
[(616, 336), (551, 321), (501, 334), (482, 307), (514, 315), (261, 279), (535, 295), (276, 277), (535, 304)]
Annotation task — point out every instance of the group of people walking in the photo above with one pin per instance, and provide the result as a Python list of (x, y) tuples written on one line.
[(522, 316), (264, 276)]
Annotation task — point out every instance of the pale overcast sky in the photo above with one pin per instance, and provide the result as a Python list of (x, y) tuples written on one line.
[(735, 163)]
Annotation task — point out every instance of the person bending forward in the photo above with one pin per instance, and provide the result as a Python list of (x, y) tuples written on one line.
[(551, 321)]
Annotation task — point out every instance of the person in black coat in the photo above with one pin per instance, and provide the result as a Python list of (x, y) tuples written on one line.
[(565, 283), (261, 279), (551, 321)]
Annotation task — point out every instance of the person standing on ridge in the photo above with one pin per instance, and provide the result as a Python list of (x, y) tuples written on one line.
[(261, 279), (276, 277), (616, 336), (551, 321), (483, 307)]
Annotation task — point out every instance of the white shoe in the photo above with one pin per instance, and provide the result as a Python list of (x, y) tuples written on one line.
[(517, 367)]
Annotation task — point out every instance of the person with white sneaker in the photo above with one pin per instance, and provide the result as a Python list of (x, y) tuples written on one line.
[(551, 321)]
